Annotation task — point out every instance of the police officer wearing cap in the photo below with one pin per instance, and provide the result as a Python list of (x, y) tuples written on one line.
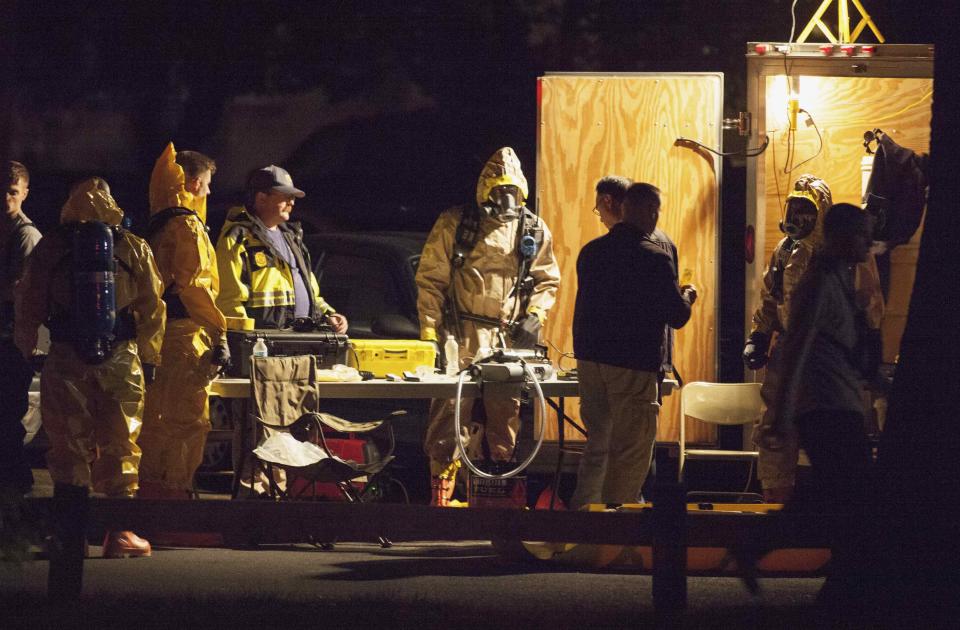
[(265, 269)]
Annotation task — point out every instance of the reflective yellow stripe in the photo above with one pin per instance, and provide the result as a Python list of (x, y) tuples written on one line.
[(260, 299)]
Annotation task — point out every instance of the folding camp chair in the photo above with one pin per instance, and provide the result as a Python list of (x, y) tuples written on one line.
[(316, 452)]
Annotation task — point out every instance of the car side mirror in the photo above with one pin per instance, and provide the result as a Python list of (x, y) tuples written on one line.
[(393, 326)]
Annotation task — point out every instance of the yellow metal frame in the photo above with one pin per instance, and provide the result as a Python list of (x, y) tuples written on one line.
[(843, 23)]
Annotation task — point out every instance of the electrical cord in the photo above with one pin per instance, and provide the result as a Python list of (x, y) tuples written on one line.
[(793, 20), (788, 166), (457, 427), (754, 152), (747, 152), (561, 354), (819, 139), (776, 181), (791, 132)]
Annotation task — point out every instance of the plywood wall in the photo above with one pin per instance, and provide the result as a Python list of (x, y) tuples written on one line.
[(842, 109), (591, 126)]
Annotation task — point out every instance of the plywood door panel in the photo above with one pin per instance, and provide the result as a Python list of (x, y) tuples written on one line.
[(591, 126)]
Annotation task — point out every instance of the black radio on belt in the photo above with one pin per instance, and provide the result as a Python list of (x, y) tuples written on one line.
[(329, 347)]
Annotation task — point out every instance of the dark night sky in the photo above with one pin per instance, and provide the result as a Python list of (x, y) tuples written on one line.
[(172, 67)]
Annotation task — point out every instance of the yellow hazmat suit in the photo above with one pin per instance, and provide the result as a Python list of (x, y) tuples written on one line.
[(91, 413), (482, 287), (177, 417), (776, 469)]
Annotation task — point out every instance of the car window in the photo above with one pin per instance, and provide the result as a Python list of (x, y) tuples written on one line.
[(360, 288)]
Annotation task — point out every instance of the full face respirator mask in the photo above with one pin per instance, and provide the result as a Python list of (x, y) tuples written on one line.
[(800, 217), (503, 203)]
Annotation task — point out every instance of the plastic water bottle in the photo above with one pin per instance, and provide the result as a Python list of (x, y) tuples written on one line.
[(260, 348), (451, 352)]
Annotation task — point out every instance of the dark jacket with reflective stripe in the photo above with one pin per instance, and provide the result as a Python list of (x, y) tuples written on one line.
[(255, 281)]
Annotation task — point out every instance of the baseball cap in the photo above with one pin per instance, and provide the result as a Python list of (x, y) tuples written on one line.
[(272, 178)]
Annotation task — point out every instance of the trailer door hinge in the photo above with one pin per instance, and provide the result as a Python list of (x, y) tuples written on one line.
[(741, 123)]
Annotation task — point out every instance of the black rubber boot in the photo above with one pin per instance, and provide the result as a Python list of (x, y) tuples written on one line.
[(65, 577)]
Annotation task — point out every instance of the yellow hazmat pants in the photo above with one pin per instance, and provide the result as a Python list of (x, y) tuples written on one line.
[(177, 418), (91, 415)]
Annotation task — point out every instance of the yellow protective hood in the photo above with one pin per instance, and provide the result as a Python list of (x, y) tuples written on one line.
[(502, 169), (813, 189), (166, 186), (88, 202)]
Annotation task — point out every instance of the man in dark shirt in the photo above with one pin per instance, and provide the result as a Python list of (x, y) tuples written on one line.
[(627, 293), (18, 237), (609, 208), (825, 362)]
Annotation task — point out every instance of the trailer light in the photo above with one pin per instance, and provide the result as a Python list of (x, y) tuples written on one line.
[(793, 101), (761, 49), (848, 50), (826, 50)]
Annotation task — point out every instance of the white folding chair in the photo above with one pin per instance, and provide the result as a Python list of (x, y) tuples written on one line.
[(720, 404)]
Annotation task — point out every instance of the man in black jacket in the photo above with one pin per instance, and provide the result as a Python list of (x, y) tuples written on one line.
[(627, 293), (611, 190)]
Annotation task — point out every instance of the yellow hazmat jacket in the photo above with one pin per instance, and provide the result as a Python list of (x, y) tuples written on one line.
[(483, 285), (46, 287), (185, 255), (257, 282)]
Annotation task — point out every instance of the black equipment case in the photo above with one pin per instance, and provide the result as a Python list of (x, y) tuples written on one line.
[(329, 347)]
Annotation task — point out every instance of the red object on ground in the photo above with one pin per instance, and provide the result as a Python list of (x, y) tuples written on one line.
[(344, 448), (543, 501)]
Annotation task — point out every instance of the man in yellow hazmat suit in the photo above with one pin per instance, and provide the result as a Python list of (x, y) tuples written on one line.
[(806, 205), (177, 418), (92, 406), (477, 283)]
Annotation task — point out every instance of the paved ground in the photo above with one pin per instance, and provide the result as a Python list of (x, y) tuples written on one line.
[(423, 584)]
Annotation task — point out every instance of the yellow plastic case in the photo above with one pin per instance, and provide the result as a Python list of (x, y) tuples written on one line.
[(393, 356)]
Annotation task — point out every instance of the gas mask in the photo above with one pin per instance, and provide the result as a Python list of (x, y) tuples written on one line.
[(800, 219), (503, 203)]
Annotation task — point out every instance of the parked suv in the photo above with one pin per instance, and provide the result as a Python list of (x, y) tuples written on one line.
[(369, 277)]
